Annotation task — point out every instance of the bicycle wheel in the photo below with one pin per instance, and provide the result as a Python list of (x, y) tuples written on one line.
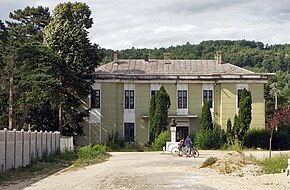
[(174, 151), (195, 153)]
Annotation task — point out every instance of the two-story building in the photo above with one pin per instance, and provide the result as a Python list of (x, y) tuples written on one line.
[(121, 94)]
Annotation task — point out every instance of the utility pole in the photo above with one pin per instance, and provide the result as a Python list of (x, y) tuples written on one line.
[(10, 99)]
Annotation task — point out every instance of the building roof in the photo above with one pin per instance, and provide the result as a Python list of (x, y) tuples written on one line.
[(170, 67)]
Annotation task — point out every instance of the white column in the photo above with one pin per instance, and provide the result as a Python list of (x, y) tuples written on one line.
[(173, 134)]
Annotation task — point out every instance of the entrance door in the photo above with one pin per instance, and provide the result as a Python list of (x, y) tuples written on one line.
[(181, 132), (129, 132)]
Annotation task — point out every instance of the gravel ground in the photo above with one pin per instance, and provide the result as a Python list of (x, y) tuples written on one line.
[(152, 170)]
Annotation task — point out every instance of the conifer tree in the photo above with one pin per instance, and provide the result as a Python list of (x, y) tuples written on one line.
[(159, 122), (206, 120)]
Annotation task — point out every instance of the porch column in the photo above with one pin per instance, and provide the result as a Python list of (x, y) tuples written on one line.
[(173, 134)]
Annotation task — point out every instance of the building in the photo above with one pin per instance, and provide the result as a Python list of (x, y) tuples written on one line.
[(121, 95)]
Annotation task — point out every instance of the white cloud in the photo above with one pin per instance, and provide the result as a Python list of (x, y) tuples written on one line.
[(122, 24)]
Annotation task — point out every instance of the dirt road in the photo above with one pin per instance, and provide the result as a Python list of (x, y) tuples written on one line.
[(151, 170)]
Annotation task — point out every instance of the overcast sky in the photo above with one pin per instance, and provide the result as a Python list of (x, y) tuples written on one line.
[(120, 24)]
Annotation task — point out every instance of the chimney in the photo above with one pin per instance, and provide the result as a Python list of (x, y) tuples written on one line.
[(116, 56), (166, 58), (146, 57), (218, 57)]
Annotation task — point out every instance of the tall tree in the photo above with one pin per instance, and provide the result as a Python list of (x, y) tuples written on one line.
[(229, 132), (36, 77), (67, 34), (206, 119), (28, 23), (152, 110), (245, 113), (163, 103)]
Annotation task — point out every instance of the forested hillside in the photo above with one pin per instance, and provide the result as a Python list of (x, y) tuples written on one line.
[(251, 55)]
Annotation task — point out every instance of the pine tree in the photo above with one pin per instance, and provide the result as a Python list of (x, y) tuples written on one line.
[(229, 132), (206, 120), (152, 110), (159, 122), (245, 113)]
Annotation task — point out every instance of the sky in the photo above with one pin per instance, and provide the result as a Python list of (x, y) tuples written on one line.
[(122, 24)]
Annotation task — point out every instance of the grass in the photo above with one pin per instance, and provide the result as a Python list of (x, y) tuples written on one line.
[(274, 164), (88, 155)]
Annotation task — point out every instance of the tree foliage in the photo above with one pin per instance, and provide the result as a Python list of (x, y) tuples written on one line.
[(245, 114), (67, 34), (159, 121), (206, 119)]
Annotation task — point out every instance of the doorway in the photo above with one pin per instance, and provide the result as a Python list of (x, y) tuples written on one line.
[(181, 132)]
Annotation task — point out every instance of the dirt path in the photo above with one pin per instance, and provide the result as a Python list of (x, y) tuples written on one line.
[(151, 170)]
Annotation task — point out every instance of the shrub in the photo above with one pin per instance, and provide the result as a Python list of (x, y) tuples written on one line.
[(255, 138), (161, 140), (91, 151), (281, 138), (211, 139), (115, 142)]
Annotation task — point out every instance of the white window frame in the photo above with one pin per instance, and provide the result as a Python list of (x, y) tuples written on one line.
[(209, 87), (240, 87), (182, 111)]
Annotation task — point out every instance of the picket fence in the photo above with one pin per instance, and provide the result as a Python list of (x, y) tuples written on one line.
[(18, 148)]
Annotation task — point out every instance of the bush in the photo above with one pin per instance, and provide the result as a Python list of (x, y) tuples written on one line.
[(91, 151), (211, 139), (161, 140), (115, 142), (281, 138), (255, 138)]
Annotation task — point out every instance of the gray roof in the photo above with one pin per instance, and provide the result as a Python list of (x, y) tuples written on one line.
[(175, 67)]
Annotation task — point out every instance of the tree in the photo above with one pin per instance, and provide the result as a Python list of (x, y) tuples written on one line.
[(236, 127), (159, 122), (152, 110), (29, 24), (38, 86), (245, 114), (229, 132), (206, 120), (67, 35)]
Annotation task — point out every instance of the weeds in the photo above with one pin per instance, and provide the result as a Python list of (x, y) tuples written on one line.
[(50, 164), (274, 164)]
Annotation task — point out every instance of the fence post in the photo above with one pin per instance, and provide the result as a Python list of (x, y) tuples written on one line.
[(29, 147), (5, 149), (14, 138)]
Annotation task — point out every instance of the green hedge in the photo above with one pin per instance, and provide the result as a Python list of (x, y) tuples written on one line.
[(257, 138)]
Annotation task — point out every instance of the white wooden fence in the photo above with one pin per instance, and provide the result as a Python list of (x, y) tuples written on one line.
[(17, 148)]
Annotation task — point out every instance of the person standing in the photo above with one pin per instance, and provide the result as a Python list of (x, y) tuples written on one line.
[(188, 144)]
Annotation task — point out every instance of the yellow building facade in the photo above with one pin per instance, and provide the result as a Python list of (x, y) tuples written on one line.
[(121, 95)]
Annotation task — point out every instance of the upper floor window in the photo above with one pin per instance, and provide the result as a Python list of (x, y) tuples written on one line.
[(129, 99), (153, 93), (207, 97), (95, 99), (182, 99), (239, 94)]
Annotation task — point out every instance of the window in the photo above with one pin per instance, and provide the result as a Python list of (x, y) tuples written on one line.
[(207, 97), (153, 93), (182, 99), (239, 97), (95, 99), (129, 132), (129, 99)]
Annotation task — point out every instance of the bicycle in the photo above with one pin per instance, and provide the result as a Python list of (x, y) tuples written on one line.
[(193, 152)]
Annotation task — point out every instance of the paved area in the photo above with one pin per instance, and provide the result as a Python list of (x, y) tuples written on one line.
[(152, 170)]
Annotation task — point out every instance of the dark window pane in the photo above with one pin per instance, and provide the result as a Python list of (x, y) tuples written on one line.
[(204, 96), (185, 99), (131, 99), (126, 99), (210, 98), (95, 99), (129, 132)]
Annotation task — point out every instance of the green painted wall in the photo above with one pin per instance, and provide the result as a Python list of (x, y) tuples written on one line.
[(194, 105), (142, 101), (258, 106), (171, 90), (111, 109), (217, 104), (228, 103)]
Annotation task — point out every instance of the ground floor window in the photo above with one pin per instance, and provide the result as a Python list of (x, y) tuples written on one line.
[(129, 132), (181, 132)]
